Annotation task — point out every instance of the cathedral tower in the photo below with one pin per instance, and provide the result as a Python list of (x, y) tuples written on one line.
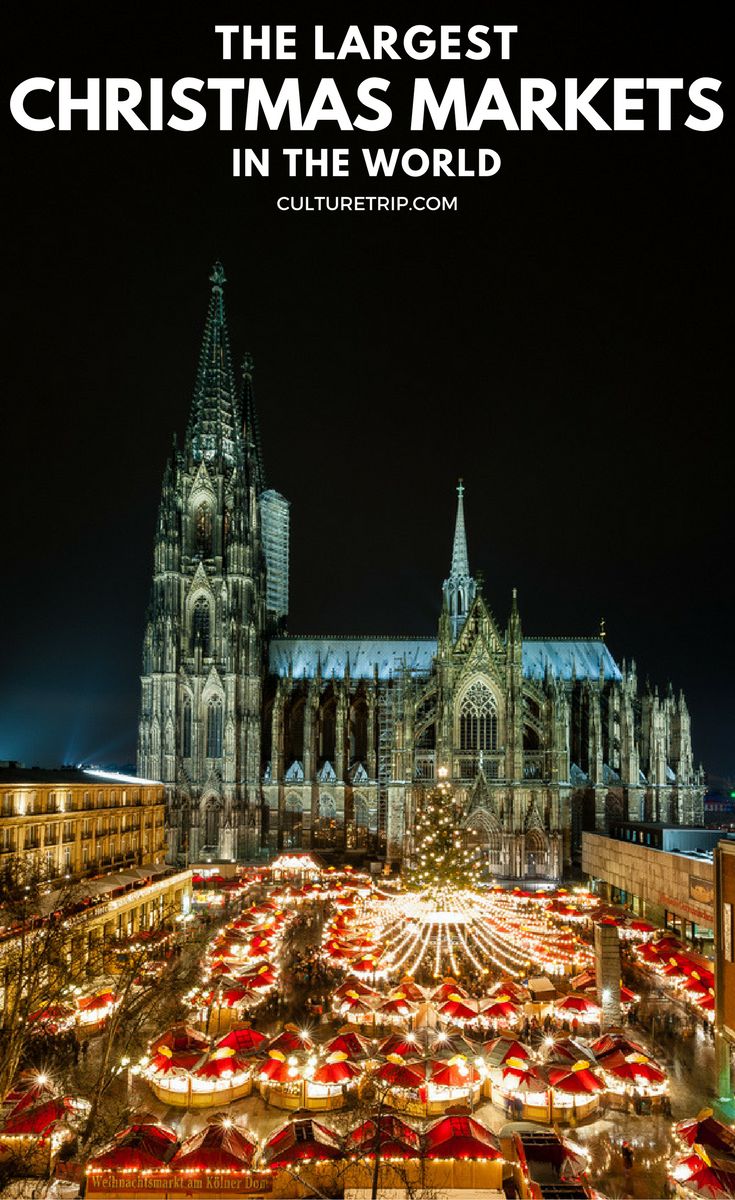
[(459, 589), (203, 646)]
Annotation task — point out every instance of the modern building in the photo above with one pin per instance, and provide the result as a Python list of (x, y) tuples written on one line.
[(665, 875), (269, 741), (724, 879)]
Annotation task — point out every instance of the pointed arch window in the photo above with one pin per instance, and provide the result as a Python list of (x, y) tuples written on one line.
[(203, 530), (214, 729), (200, 626), (478, 719), (186, 729)]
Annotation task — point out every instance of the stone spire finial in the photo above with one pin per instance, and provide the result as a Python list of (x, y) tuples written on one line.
[(460, 587)]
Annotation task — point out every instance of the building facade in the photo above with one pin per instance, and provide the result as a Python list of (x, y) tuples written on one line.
[(70, 822), (271, 741)]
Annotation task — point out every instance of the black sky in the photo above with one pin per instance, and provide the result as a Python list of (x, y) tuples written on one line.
[(559, 342)]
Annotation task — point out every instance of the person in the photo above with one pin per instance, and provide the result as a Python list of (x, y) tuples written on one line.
[(627, 1155)]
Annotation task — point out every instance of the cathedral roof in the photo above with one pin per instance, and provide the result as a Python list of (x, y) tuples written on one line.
[(567, 657), (305, 655), (564, 657)]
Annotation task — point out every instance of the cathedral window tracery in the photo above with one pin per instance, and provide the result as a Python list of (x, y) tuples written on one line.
[(203, 530), (200, 626), (214, 729), (186, 730), (478, 719)]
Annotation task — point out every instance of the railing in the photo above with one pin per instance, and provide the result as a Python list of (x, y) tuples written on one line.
[(467, 766), (533, 765), (425, 764)]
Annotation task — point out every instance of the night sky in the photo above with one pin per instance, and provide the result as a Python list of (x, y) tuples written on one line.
[(559, 343)]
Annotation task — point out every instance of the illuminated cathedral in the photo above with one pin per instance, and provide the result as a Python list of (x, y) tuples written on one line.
[(268, 741)]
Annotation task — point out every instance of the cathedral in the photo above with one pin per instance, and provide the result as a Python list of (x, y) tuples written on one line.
[(268, 741)]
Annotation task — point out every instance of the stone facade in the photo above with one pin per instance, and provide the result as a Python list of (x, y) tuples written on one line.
[(268, 741), (660, 880)]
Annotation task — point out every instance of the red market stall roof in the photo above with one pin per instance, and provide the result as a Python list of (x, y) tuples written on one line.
[(244, 1041), (300, 1140), (99, 1000), (455, 1009), (143, 1147), (501, 1010), (715, 1183), (448, 987), (457, 1073), (397, 1006), (610, 1042), (636, 1072), (220, 1146), (291, 1041), (509, 987), (460, 1137), (391, 1136), (181, 1039), (39, 1119), (498, 1050), (706, 1130), (338, 1070), (221, 1065), (408, 1076), (53, 1012), (30, 1089), (575, 1082), (356, 985), (411, 989), (351, 1043), (574, 1003), (566, 1049), (520, 1076)]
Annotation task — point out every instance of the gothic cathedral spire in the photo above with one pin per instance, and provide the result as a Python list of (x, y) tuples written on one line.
[(215, 422), (459, 589), (203, 646)]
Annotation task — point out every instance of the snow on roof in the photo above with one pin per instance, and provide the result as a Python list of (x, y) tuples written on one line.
[(563, 657)]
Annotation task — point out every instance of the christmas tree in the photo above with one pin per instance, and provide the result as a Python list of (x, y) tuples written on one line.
[(440, 858)]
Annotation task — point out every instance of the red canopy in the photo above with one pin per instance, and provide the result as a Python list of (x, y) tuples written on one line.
[(397, 1006), (143, 1147), (576, 1004), (30, 1089), (291, 1040), (409, 1076), (300, 1140), (181, 1038), (222, 1065), (460, 1137), (446, 989), (501, 1010), (349, 1042), (715, 1183), (574, 1082), (706, 1130), (336, 1072), (499, 1049), (39, 1119), (610, 1042), (453, 1074), (390, 1135), (636, 1072), (220, 1146), (245, 1041), (98, 1000)]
